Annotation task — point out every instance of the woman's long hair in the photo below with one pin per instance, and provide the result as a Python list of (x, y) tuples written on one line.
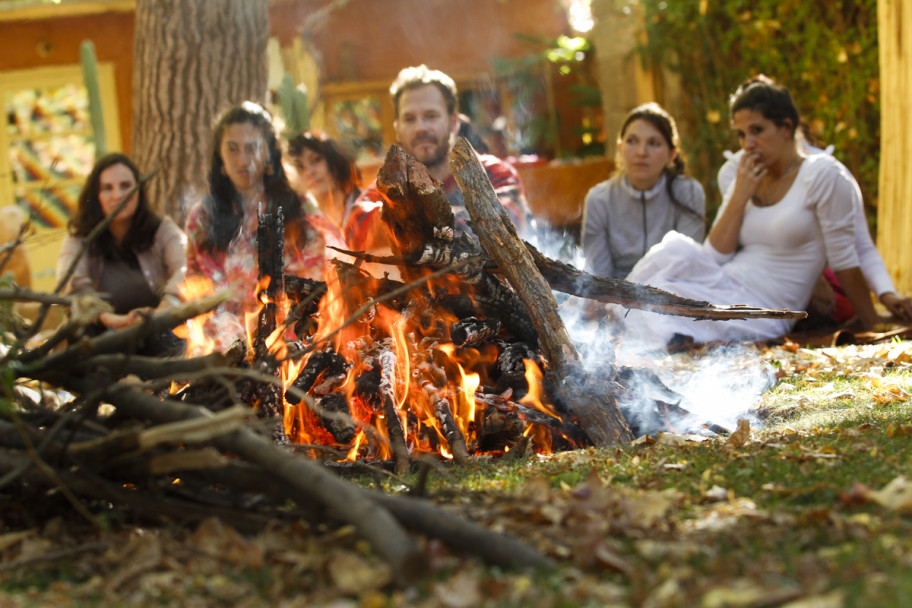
[(656, 115), (223, 205), (143, 225), (339, 161)]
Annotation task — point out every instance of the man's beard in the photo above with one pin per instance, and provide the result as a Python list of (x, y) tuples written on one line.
[(435, 156)]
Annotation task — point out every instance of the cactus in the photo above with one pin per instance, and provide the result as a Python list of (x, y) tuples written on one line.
[(90, 76), (293, 104)]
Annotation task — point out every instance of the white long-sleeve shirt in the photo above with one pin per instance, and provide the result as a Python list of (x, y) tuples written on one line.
[(870, 260)]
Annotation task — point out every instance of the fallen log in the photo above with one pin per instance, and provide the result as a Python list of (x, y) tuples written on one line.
[(586, 397)]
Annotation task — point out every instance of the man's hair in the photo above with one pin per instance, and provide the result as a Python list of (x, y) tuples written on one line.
[(419, 76)]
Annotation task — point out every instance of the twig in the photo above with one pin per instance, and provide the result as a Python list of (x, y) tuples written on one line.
[(52, 475), (52, 556)]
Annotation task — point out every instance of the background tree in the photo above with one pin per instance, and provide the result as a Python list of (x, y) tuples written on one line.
[(895, 221), (824, 51), (192, 59)]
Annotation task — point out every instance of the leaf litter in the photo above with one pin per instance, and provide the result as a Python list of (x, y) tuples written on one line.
[(806, 504)]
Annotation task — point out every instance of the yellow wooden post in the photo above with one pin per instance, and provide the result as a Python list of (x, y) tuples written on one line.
[(894, 213)]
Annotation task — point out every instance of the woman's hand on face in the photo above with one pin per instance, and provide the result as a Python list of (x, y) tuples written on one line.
[(751, 172), (899, 306)]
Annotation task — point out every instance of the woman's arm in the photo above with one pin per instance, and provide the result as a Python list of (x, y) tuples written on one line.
[(80, 281), (595, 233), (724, 234), (856, 289), (174, 260)]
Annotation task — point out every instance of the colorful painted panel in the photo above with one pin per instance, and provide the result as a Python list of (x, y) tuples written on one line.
[(51, 150)]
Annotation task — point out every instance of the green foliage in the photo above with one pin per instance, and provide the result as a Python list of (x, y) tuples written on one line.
[(527, 79), (96, 111), (293, 103), (824, 51)]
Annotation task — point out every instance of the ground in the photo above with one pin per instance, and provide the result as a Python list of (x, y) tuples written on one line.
[(809, 507)]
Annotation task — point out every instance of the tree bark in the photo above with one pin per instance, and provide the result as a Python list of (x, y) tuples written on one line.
[(192, 59), (894, 220)]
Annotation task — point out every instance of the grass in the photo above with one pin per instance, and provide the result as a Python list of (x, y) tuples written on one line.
[(789, 517)]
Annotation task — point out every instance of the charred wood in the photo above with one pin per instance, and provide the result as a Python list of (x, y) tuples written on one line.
[(336, 417), (415, 210), (473, 331), (596, 409), (321, 364), (394, 428)]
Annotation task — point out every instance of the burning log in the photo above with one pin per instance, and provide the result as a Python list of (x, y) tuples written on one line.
[(472, 331), (596, 408), (330, 369), (326, 363), (433, 382), (305, 295), (336, 417), (270, 241), (394, 428)]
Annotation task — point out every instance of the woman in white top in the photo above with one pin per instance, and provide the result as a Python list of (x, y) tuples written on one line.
[(870, 260), (786, 217), (646, 198)]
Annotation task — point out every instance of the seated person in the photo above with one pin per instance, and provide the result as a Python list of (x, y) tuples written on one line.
[(786, 217), (829, 304), (647, 196), (427, 120), (327, 174), (137, 264), (245, 176)]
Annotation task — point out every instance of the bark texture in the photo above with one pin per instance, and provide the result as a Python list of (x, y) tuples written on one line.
[(192, 60)]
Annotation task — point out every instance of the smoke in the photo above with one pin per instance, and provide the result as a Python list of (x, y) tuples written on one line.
[(690, 392)]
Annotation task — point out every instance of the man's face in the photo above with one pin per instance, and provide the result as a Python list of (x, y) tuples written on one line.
[(423, 127)]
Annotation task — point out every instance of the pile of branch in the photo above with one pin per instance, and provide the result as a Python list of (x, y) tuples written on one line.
[(226, 461)]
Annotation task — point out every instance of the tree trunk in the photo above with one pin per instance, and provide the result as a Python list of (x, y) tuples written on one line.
[(894, 220), (192, 59)]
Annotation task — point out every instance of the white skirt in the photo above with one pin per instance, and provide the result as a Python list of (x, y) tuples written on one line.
[(681, 265)]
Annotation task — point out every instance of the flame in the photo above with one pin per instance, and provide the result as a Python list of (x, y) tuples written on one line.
[(541, 437), (193, 331), (434, 385), (533, 398)]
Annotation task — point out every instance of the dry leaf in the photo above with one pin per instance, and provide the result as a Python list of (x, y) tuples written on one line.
[(741, 435), (896, 495), (460, 591), (352, 574)]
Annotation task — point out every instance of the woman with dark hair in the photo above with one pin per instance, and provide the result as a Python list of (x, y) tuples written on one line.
[(246, 177), (327, 172), (137, 264), (785, 218), (647, 196)]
